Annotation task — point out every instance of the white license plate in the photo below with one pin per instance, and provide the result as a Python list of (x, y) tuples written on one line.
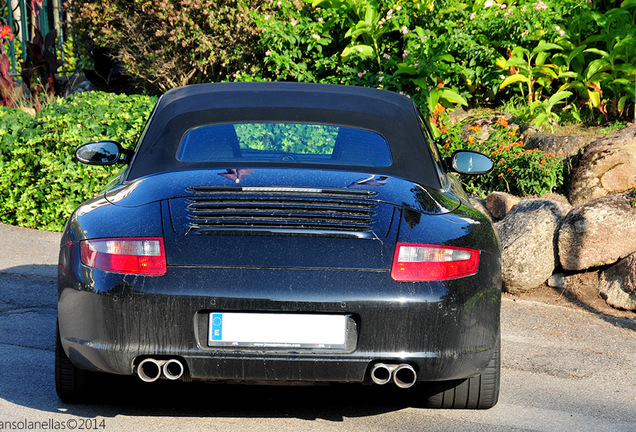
[(267, 330)]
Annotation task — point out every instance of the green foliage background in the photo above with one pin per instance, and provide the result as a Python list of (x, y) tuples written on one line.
[(40, 182), (439, 52)]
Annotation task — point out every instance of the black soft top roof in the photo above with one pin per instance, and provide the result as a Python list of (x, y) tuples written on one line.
[(393, 116)]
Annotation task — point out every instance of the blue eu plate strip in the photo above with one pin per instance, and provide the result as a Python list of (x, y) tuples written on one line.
[(217, 327)]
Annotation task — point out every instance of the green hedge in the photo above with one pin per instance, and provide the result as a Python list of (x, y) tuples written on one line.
[(40, 183)]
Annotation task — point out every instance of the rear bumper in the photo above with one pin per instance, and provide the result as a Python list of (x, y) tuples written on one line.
[(109, 322)]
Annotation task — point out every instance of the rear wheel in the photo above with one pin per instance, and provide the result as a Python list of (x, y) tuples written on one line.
[(71, 383), (478, 392)]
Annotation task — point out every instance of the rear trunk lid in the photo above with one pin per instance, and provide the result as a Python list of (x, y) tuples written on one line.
[(281, 218)]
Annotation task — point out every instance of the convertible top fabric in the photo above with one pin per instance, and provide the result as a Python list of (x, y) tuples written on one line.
[(393, 116)]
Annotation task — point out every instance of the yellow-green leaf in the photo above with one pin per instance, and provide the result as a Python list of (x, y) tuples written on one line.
[(513, 79), (363, 50)]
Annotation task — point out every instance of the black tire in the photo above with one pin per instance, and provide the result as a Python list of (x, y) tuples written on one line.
[(478, 392), (71, 383)]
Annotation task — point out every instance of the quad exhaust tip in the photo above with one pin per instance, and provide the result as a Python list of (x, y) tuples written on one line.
[(173, 369), (150, 370), (403, 375)]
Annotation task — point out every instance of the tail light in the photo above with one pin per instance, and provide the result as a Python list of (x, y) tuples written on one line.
[(144, 256), (423, 262)]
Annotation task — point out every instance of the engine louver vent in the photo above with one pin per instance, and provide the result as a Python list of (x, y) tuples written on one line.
[(300, 211)]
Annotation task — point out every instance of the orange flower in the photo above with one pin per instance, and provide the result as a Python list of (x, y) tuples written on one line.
[(471, 140), (475, 128), (512, 133), (500, 175), (502, 121), (502, 160), (444, 130), (509, 169), (542, 162), (6, 32)]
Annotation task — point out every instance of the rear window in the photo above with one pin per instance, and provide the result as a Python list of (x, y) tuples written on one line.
[(284, 142)]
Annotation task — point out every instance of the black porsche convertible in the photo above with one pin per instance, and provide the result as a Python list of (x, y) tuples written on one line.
[(283, 233)]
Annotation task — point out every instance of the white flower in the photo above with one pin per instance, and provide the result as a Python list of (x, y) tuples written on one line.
[(488, 3)]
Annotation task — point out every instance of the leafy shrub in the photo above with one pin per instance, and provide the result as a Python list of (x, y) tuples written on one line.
[(9, 92), (597, 62), (367, 43), (40, 66), (517, 170), (300, 43), (173, 42), (40, 183)]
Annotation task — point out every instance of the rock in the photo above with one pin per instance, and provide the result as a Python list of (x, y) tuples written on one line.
[(458, 115), (77, 84), (617, 284), (527, 131), (560, 201), (481, 128), (562, 146), (597, 233), (480, 204), (557, 280), (528, 243), (606, 166), (499, 204)]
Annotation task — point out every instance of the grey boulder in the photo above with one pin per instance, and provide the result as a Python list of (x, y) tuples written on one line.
[(617, 284), (528, 242), (599, 232), (606, 166)]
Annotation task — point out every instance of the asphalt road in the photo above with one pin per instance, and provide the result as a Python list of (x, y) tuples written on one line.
[(563, 370)]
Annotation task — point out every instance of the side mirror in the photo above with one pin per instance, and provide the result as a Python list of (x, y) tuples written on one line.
[(469, 162), (102, 153)]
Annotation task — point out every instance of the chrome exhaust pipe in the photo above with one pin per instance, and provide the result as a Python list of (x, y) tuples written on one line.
[(149, 370), (381, 373), (173, 369), (404, 376)]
